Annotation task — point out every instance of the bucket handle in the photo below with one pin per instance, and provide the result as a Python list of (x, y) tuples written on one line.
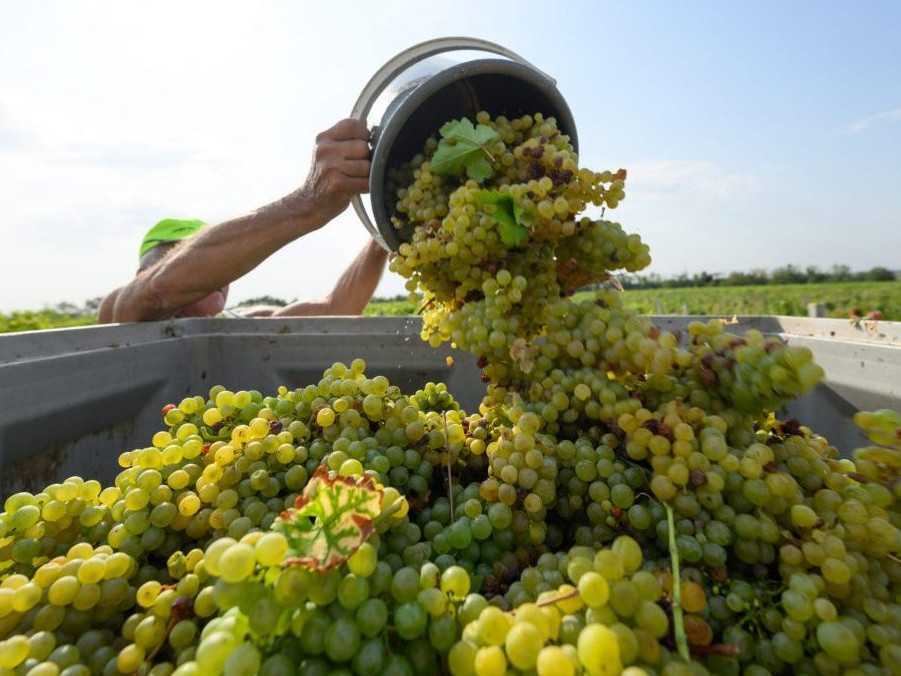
[(384, 76)]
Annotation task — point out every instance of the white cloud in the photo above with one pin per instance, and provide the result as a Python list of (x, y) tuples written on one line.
[(663, 179), (13, 135), (864, 123)]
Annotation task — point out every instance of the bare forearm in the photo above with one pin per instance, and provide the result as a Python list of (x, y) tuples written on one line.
[(106, 312), (220, 255), (352, 291), (309, 308), (213, 259)]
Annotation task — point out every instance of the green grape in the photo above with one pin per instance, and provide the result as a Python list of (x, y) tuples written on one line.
[(593, 589), (838, 642), (277, 665), (490, 661), (461, 659), (405, 585), (182, 634), (243, 661), (455, 581), (371, 617), (609, 564), (370, 658), (271, 549), (652, 618), (13, 651), (130, 658), (598, 649), (150, 632), (523, 643), (624, 598), (352, 591), (63, 591), (363, 561), (41, 644), (410, 620)]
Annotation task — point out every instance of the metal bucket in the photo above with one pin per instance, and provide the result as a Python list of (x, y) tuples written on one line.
[(417, 91)]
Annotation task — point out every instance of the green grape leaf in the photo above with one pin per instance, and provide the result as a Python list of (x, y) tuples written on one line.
[(330, 520), (513, 221), (462, 148)]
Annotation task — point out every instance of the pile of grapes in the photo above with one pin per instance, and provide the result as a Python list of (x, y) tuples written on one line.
[(625, 500)]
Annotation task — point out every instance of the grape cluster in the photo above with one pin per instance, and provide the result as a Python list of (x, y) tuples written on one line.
[(594, 611), (599, 423), (623, 501)]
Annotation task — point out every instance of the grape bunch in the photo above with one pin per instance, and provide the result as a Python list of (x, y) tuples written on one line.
[(625, 499), (603, 426)]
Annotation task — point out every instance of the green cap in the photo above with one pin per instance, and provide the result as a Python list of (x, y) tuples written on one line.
[(168, 230)]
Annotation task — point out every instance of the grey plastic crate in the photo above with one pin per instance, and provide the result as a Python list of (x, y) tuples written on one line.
[(72, 399)]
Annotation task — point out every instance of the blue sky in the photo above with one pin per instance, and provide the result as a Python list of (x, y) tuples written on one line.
[(755, 135)]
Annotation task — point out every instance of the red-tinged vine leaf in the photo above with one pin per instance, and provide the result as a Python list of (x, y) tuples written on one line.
[(330, 520)]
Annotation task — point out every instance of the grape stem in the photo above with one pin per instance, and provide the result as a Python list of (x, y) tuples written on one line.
[(450, 474), (153, 653), (678, 623), (556, 599), (387, 513)]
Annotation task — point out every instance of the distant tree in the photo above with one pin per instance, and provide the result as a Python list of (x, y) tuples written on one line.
[(91, 305), (814, 276), (760, 276), (632, 281), (755, 277), (263, 300), (703, 278), (788, 275), (879, 274), (678, 281), (67, 308), (840, 273)]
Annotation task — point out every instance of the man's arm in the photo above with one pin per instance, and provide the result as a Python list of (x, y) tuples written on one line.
[(107, 307), (217, 256), (352, 291)]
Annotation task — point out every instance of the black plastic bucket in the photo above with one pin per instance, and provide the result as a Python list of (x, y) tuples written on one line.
[(507, 86)]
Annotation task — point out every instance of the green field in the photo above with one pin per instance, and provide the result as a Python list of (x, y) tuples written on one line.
[(840, 298), (29, 320), (772, 299)]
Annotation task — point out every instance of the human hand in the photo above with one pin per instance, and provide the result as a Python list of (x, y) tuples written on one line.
[(340, 170)]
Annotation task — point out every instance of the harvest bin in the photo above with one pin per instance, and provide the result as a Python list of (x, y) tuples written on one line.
[(71, 400)]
